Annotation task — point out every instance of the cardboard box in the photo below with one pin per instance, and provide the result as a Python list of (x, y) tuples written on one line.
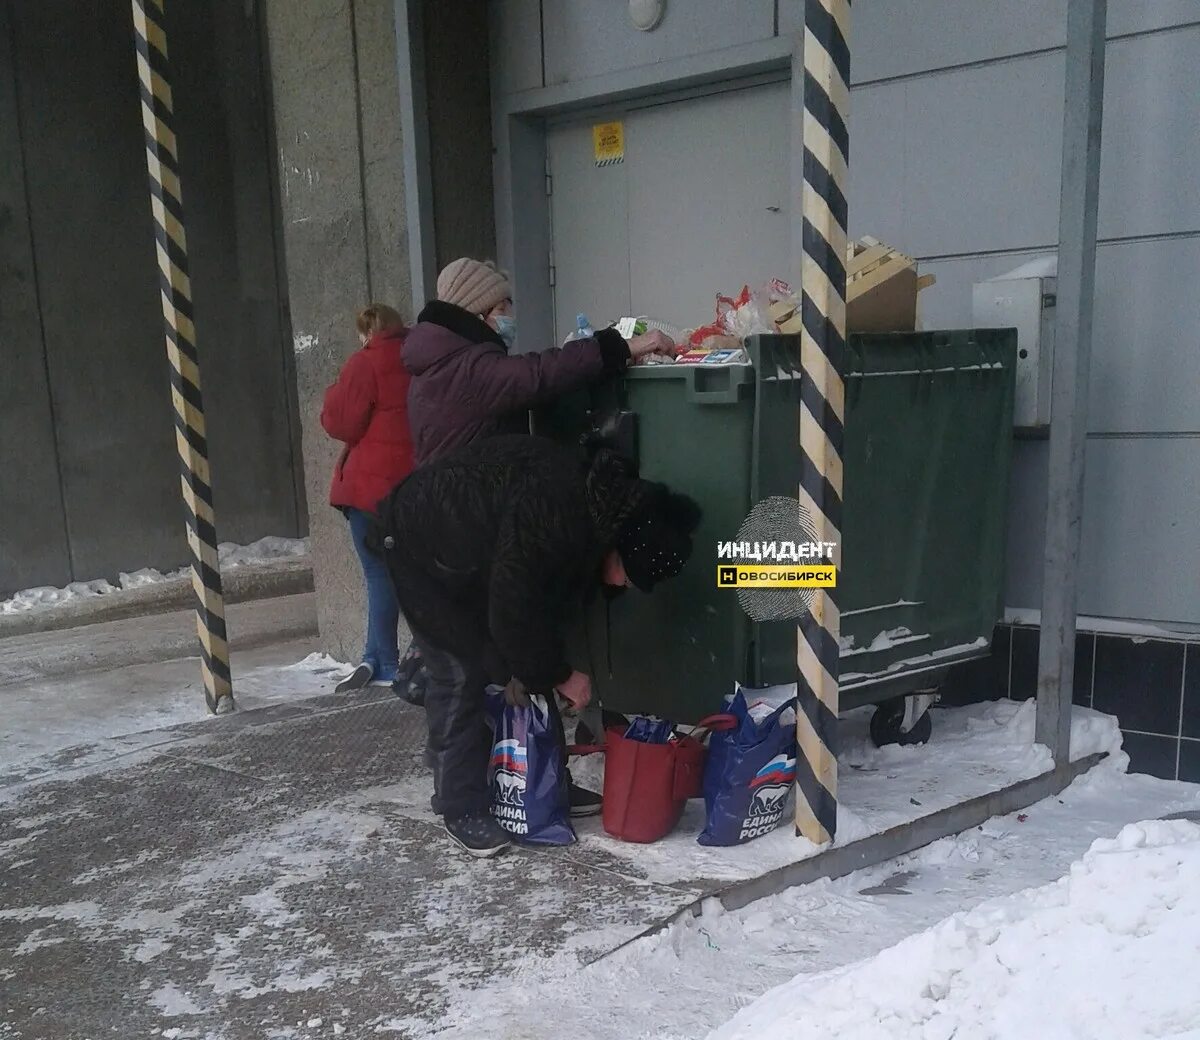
[(881, 288)]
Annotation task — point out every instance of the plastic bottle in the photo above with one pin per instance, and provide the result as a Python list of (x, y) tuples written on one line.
[(583, 330)]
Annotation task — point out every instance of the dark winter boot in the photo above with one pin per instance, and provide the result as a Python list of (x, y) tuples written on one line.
[(479, 834)]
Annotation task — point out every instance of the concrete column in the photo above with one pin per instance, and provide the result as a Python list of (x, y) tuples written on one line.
[(341, 189)]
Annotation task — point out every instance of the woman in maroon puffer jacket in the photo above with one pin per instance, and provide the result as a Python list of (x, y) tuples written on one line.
[(367, 409), (466, 385)]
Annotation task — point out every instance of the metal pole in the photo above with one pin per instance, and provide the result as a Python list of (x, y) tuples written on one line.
[(166, 203), (821, 72), (1082, 119)]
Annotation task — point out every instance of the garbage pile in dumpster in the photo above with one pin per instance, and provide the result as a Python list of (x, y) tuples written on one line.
[(882, 287), (742, 761)]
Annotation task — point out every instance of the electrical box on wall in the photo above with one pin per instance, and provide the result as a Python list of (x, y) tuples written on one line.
[(1025, 299)]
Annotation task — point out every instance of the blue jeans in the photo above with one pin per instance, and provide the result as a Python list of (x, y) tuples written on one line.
[(383, 609)]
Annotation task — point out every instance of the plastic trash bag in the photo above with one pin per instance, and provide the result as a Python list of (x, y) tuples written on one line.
[(527, 771), (750, 771)]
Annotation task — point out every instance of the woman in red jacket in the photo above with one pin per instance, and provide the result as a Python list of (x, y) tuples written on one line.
[(367, 409)]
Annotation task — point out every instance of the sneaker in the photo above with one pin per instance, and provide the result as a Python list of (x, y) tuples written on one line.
[(479, 834), (583, 802), (385, 678), (358, 679)]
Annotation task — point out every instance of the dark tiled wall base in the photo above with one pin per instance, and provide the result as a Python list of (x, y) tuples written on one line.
[(1152, 686)]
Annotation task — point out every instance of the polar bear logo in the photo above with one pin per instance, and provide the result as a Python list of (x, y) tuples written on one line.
[(768, 800), (510, 787)]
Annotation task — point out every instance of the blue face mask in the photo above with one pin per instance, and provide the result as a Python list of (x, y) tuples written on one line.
[(506, 329)]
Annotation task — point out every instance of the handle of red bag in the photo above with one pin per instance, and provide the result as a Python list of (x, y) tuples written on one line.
[(714, 724)]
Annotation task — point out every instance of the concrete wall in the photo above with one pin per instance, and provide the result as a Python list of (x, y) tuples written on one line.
[(33, 535), (956, 117), (340, 170), (90, 476), (460, 129)]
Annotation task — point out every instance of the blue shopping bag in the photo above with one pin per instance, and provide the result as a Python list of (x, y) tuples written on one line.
[(528, 772), (748, 774)]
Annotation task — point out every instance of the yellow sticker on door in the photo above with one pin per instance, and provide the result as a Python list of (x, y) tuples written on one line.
[(608, 141)]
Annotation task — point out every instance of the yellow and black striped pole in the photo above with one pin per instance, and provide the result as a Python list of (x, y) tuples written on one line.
[(826, 152), (166, 203)]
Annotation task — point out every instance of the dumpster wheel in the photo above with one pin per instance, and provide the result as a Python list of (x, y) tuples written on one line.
[(887, 725)]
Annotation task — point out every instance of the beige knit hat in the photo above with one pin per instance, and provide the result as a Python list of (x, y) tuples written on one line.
[(474, 285)]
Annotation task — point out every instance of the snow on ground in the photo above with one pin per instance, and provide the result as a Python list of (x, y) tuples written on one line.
[(692, 977), (702, 971), (1112, 949), (231, 555), (974, 751)]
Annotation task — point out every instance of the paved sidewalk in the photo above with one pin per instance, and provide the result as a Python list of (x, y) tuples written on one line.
[(244, 876)]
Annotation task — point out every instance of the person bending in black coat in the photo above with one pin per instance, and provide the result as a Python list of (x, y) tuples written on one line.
[(491, 550)]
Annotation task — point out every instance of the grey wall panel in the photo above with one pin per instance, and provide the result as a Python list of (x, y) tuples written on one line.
[(878, 153), (708, 193), (898, 39), (1145, 374), (982, 157), (586, 38), (516, 45), (1026, 524), (590, 221), (1141, 537), (33, 539), (975, 151), (1145, 364), (901, 39), (1135, 16), (521, 163), (1151, 147)]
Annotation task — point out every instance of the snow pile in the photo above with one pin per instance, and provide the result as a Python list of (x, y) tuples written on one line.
[(265, 549), (719, 963), (47, 596), (974, 750), (231, 555), (319, 664), (1110, 950)]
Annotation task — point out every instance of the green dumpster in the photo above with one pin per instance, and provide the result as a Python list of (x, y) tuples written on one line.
[(926, 459)]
